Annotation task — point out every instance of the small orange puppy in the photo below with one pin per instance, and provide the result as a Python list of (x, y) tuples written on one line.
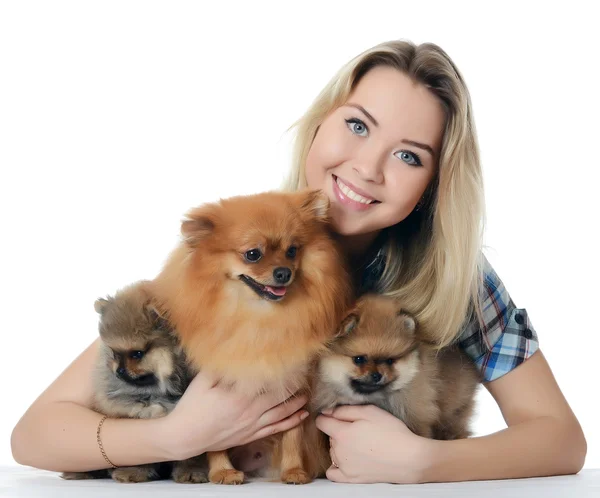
[(256, 290)]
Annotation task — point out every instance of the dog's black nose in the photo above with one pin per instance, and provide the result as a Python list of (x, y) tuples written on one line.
[(282, 275), (121, 371), (375, 376)]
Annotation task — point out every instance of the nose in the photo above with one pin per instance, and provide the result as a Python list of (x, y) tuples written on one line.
[(369, 166), (121, 371), (376, 377), (282, 275)]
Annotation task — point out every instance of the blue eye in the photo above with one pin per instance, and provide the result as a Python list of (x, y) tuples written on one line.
[(409, 158), (291, 252), (357, 126), (136, 355), (359, 360)]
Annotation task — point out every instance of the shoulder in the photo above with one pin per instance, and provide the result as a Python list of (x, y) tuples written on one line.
[(504, 337)]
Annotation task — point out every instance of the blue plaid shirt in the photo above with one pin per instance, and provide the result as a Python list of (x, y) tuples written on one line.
[(507, 337)]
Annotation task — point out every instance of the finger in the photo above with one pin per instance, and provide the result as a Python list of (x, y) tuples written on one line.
[(282, 411), (284, 425), (268, 401), (330, 425), (352, 413)]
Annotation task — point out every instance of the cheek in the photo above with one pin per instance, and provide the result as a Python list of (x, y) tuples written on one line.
[(406, 370), (334, 370), (328, 150), (405, 186)]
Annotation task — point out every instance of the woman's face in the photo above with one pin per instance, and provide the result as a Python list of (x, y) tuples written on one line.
[(375, 155)]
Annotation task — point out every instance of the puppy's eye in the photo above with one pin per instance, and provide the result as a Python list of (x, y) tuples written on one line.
[(359, 360), (253, 255), (390, 361), (136, 355), (291, 252)]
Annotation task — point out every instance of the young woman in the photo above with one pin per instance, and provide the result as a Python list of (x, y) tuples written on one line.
[(391, 140)]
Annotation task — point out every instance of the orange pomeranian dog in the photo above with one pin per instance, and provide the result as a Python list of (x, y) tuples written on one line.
[(256, 291)]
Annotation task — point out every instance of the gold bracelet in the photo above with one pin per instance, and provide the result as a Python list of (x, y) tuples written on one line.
[(100, 442)]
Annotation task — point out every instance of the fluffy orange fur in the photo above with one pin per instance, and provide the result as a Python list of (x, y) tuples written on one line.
[(226, 328)]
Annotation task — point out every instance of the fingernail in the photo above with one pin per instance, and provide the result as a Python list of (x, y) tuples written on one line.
[(327, 411), (303, 415)]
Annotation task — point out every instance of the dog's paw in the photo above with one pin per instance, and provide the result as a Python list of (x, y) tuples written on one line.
[(295, 476), (226, 476), (187, 475), (134, 474), (77, 476)]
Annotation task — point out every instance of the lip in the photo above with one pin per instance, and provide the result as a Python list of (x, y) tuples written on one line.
[(346, 201), (260, 289)]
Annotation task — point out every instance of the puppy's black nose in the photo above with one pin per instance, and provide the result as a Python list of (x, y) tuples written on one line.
[(282, 275), (375, 376), (121, 371)]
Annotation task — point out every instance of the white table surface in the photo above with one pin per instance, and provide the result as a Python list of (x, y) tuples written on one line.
[(31, 483)]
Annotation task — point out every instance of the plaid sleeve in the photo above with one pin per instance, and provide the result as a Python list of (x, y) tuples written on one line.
[(506, 338)]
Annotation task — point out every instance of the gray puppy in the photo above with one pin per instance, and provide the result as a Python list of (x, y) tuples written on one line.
[(141, 372)]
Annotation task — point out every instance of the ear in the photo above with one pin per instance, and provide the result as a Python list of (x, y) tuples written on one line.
[(315, 204), (100, 305), (158, 318), (348, 325), (408, 321), (199, 224)]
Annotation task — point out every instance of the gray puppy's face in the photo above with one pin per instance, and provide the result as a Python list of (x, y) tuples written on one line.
[(139, 347)]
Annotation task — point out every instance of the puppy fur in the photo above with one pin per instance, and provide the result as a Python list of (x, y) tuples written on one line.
[(255, 291), (141, 372), (379, 359)]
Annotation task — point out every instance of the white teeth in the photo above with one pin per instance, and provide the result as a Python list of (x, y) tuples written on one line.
[(351, 194)]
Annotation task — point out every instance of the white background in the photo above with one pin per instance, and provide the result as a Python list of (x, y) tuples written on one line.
[(116, 117)]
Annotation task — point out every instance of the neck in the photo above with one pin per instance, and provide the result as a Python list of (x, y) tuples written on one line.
[(356, 247)]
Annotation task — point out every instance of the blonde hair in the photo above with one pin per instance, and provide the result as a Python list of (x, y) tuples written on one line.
[(433, 257)]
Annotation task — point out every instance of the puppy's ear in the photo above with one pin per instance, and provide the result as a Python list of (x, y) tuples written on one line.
[(158, 317), (409, 323), (100, 305), (199, 224), (348, 325), (315, 204)]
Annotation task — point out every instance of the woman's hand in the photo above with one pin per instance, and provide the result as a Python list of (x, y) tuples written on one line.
[(209, 417), (369, 445)]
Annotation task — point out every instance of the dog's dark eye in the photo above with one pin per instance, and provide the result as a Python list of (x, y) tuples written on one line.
[(253, 255), (291, 252), (359, 360), (136, 355), (390, 361)]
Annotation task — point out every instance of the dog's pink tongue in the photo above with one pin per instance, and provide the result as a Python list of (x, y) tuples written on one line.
[(278, 291)]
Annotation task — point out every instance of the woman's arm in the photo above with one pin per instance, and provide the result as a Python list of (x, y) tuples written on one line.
[(543, 437), (58, 431)]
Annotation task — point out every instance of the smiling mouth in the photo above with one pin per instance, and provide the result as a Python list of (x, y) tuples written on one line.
[(352, 195), (265, 291)]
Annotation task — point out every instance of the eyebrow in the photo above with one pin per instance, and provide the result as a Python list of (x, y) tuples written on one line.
[(364, 111), (419, 145)]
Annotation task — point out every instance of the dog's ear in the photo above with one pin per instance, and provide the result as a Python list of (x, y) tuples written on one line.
[(157, 316), (101, 304), (315, 204), (348, 325), (409, 323), (199, 224)]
